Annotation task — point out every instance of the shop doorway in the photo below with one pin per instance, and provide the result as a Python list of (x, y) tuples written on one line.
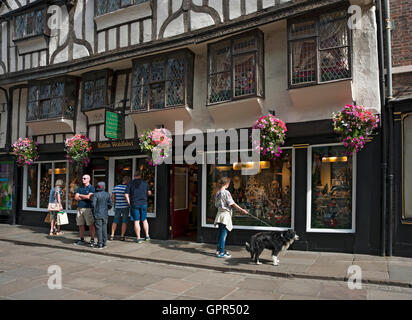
[(183, 220)]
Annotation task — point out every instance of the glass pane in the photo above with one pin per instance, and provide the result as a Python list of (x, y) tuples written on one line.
[(175, 92), (75, 178), (40, 22), (266, 195), (45, 184), (333, 30), (245, 74), (302, 29), (32, 186), (220, 87), (6, 186), (140, 98), (32, 109), (58, 89), (30, 23), (60, 174), (56, 107), (219, 59), (140, 74), (125, 3), (175, 69), (303, 61), (158, 70), (114, 5), (88, 95), (245, 44), (180, 199), (101, 7), (19, 27), (45, 91), (34, 93), (157, 96), (148, 174), (122, 168), (334, 64), (45, 110), (407, 166), (100, 93), (331, 188)]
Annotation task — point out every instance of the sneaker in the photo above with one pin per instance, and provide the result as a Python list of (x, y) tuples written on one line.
[(217, 252), (227, 255), (98, 246), (147, 239), (80, 243), (220, 255), (139, 240), (91, 243)]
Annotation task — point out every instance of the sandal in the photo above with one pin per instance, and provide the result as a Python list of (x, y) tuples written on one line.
[(111, 238), (122, 238), (51, 234), (60, 233)]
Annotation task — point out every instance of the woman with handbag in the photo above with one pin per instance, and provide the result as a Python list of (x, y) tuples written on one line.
[(55, 205)]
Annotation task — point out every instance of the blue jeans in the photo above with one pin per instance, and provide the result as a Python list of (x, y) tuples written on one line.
[(221, 238)]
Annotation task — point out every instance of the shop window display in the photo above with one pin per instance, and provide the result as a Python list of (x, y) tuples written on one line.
[(6, 184), (266, 195), (331, 177)]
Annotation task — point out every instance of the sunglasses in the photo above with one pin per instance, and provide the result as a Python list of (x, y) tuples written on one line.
[(85, 178)]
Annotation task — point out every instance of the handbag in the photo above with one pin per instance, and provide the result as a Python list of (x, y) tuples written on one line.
[(53, 207), (62, 218), (47, 219)]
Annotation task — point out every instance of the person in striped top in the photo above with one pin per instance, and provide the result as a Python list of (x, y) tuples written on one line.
[(121, 208)]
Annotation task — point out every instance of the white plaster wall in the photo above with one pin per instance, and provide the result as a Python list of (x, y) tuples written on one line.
[(3, 122)]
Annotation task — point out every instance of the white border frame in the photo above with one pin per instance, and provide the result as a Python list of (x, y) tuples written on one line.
[(204, 192), (111, 180), (309, 193)]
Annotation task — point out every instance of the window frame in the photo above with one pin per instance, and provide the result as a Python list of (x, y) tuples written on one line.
[(188, 79), (316, 36), (132, 3), (404, 220), (65, 97), (46, 30), (259, 54), (309, 228), (237, 227), (95, 76)]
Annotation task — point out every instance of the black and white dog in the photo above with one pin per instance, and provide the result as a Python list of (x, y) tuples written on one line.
[(276, 241)]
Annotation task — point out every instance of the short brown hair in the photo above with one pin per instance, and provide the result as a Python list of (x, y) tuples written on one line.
[(223, 181)]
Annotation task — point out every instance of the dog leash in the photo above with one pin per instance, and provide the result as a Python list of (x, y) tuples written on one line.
[(254, 217)]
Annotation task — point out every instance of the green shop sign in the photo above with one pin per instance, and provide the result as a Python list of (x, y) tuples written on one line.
[(113, 125)]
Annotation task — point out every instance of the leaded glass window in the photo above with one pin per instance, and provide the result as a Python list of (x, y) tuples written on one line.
[(95, 90), (319, 49), (30, 24), (106, 6), (236, 68), (163, 82), (49, 98)]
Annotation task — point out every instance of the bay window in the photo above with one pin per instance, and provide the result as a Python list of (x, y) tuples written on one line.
[(319, 49), (95, 89), (29, 24), (106, 6), (235, 68)]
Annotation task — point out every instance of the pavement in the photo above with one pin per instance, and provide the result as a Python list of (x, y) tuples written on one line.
[(390, 271)]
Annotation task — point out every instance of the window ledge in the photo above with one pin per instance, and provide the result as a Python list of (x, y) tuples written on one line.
[(124, 15), (236, 114), (32, 43), (163, 117), (51, 126)]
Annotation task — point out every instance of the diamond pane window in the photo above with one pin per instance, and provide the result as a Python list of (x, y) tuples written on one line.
[(319, 49), (31, 23), (106, 6), (162, 82), (236, 68), (95, 89), (48, 98)]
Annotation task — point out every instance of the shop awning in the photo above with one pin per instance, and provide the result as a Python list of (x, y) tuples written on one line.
[(51, 126)]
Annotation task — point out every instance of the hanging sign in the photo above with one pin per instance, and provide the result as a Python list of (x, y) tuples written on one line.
[(113, 125)]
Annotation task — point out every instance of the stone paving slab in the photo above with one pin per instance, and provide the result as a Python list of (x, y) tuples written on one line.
[(299, 264)]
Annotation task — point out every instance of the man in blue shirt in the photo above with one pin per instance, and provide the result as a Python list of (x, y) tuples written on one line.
[(84, 216), (121, 207), (136, 196)]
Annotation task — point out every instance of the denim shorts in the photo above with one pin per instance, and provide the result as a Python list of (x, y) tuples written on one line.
[(121, 213), (138, 213)]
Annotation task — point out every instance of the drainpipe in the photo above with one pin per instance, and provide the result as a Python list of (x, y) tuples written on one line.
[(383, 127), (388, 29)]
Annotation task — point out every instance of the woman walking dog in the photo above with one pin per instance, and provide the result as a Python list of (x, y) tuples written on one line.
[(224, 203)]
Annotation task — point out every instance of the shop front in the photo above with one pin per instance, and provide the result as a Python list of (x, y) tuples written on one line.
[(6, 191)]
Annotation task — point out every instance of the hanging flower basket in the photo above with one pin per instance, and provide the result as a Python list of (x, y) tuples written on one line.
[(78, 148), (157, 144), (25, 151), (354, 124), (272, 136)]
